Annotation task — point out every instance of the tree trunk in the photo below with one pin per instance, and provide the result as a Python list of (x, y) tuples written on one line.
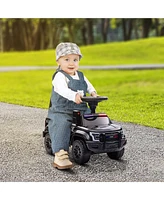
[(42, 36), (24, 35), (7, 37), (135, 28), (41, 39), (90, 39), (28, 26), (124, 29), (83, 33), (130, 28), (162, 31), (15, 35), (127, 25), (71, 34), (1, 35), (19, 35), (146, 24), (104, 28), (156, 27)]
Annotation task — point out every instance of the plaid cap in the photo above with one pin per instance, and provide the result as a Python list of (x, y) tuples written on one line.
[(66, 48)]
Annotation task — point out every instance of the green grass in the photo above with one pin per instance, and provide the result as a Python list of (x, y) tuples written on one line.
[(134, 96), (143, 51)]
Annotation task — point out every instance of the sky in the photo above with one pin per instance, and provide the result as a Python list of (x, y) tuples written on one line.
[(81, 9)]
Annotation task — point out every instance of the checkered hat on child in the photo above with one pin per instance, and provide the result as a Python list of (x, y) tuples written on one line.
[(66, 48)]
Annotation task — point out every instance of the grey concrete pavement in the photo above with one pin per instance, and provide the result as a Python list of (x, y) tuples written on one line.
[(23, 157), (111, 67)]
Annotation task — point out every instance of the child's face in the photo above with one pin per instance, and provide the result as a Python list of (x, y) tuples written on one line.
[(69, 63)]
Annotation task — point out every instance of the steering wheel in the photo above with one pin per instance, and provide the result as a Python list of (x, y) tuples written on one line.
[(93, 101)]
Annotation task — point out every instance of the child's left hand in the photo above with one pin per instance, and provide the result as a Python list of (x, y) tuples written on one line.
[(78, 98), (94, 94)]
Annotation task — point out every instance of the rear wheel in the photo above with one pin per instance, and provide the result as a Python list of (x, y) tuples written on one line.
[(80, 153), (47, 144), (116, 155)]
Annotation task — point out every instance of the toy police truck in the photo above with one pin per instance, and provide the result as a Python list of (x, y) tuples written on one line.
[(92, 133)]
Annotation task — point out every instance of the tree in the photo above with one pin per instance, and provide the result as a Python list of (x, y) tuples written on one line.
[(104, 28), (1, 35), (23, 34), (90, 38), (127, 25), (146, 25)]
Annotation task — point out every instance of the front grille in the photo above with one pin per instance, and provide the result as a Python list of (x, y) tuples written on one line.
[(105, 136), (110, 137)]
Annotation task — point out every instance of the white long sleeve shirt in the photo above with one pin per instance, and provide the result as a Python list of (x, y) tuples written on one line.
[(60, 83)]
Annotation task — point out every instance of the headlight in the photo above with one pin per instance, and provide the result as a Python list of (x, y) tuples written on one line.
[(95, 136)]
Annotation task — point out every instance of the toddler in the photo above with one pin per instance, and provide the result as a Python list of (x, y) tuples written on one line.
[(68, 86)]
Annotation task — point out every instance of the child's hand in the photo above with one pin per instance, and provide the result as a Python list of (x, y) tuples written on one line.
[(78, 98), (94, 94)]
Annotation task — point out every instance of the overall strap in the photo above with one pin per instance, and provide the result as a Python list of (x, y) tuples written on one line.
[(57, 70), (67, 75), (81, 76)]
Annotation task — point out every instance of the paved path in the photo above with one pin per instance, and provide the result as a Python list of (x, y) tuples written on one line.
[(23, 157), (111, 67)]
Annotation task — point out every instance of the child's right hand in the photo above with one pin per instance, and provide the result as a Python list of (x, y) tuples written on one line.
[(78, 98)]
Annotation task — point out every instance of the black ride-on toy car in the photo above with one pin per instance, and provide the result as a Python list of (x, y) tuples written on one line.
[(92, 133)]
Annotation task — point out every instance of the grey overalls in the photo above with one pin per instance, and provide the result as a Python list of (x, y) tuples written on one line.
[(60, 113)]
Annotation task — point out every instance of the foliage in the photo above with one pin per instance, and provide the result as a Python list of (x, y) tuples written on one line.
[(134, 96), (24, 34)]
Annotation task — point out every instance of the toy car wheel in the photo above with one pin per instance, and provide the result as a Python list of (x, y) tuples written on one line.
[(116, 155), (47, 144), (80, 153)]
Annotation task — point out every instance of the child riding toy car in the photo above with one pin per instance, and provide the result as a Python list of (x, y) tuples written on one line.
[(92, 133)]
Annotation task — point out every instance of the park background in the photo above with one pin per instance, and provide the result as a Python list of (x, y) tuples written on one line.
[(134, 95)]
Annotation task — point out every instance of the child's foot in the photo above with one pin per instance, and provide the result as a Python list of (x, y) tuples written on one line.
[(62, 161)]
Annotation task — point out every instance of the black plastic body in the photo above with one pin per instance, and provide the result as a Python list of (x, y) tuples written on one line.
[(95, 129)]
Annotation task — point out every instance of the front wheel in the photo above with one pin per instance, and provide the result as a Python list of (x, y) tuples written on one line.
[(47, 144), (80, 153), (116, 155)]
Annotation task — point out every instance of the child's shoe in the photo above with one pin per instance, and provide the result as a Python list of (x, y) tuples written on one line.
[(62, 161)]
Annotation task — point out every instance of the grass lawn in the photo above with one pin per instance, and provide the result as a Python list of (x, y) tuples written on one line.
[(134, 95), (142, 51)]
